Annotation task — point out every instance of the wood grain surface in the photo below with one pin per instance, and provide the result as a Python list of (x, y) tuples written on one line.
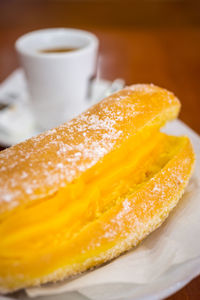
[(140, 41)]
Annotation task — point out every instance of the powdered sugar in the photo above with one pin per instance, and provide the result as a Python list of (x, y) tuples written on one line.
[(7, 197), (58, 156), (156, 188)]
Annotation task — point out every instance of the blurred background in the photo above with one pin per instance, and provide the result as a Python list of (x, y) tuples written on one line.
[(141, 41)]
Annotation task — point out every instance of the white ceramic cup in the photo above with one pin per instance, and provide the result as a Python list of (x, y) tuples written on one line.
[(58, 82)]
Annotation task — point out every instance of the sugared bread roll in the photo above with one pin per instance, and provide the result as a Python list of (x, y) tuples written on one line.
[(81, 194)]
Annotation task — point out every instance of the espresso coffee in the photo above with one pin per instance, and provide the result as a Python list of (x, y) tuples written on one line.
[(58, 50)]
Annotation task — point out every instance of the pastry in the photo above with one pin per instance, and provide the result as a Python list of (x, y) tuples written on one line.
[(79, 195)]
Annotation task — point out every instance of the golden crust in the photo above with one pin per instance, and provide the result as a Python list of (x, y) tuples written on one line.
[(43, 164), (127, 223)]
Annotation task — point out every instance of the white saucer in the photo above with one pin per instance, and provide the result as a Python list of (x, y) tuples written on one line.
[(17, 122)]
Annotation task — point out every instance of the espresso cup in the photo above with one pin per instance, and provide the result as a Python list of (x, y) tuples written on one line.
[(59, 64)]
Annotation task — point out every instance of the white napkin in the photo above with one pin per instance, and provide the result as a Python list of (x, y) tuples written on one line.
[(158, 259)]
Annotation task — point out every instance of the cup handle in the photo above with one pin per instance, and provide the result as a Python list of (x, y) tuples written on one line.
[(91, 81)]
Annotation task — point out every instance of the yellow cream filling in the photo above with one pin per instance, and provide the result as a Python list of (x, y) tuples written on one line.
[(42, 227)]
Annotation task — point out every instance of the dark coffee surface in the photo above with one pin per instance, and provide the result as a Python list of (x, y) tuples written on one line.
[(58, 50)]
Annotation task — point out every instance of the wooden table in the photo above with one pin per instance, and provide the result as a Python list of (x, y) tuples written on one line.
[(140, 41)]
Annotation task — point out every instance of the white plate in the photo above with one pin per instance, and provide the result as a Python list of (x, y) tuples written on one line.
[(169, 281), (184, 221), (172, 279)]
